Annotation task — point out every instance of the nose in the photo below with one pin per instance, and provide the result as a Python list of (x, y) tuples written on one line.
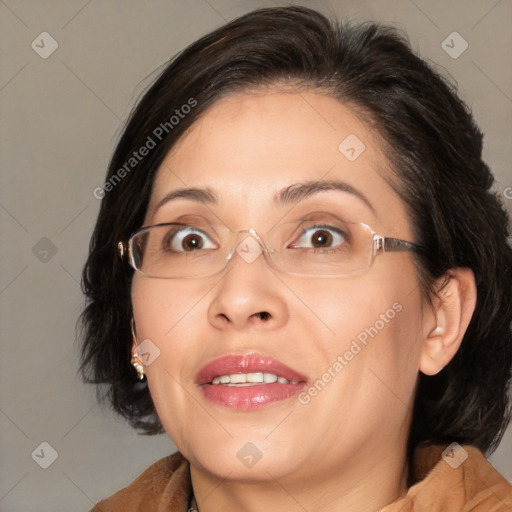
[(249, 293)]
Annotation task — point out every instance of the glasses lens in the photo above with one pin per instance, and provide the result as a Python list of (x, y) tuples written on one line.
[(177, 250), (320, 244), (323, 245)]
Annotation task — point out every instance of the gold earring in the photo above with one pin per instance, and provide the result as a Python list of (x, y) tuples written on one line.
[(138, 367), (135, 362)]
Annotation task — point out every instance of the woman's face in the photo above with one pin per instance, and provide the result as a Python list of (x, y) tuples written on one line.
[(357, 337)]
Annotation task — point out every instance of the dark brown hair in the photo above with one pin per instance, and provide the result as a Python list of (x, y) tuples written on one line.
[(432, 144)]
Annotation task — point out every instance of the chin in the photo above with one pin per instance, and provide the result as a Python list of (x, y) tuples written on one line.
[(251, 457)]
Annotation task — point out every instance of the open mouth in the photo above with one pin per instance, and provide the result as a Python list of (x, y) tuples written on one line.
[(246, 382), (249, 379)]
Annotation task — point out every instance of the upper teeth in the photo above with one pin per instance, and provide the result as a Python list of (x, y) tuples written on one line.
[(249, 378)]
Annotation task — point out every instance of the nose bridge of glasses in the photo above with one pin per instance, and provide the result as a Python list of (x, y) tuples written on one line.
[(248, 244)]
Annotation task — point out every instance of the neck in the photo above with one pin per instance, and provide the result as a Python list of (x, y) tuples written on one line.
[(365, 489)]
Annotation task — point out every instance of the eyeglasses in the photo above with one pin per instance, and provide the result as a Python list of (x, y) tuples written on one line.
[(319, 245)]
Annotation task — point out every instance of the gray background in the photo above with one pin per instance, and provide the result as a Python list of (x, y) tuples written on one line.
[(61, 117)]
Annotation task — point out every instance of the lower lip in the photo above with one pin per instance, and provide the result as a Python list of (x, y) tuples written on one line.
[(246, 398)]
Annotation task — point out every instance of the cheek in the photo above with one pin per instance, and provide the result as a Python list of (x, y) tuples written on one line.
[(371, 328), (361, 309), (168, 314), (373, 354), (159, 306)]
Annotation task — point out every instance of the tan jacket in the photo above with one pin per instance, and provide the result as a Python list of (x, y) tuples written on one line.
[(473, 486)]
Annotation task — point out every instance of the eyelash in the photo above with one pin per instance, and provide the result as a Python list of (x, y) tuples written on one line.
[(324, 227)]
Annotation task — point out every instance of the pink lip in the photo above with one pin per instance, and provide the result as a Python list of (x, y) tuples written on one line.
[(228, 365), (248, 397)]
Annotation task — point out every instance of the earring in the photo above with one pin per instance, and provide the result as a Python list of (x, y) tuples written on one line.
[(138, 367), (135, 362)]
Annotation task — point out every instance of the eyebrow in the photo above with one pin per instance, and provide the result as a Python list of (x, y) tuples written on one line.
[(201, 195), (289, 195), (299, 191)]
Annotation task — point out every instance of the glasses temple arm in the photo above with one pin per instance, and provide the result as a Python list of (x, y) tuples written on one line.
[(383, 244)]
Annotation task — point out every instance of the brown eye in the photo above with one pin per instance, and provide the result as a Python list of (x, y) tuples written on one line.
[(186, 239), (191, 242), (321, 238)]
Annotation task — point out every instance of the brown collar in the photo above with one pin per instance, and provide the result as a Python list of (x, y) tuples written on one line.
[(443, 482)]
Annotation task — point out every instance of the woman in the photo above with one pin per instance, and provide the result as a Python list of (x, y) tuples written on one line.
[(299, 253)]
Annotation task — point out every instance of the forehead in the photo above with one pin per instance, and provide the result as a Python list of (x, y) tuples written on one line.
[(273, 131), (247, 146)]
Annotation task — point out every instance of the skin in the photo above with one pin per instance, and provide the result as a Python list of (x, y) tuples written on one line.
[(345, 449)]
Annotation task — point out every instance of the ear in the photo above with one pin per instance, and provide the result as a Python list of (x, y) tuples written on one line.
[(453, 307)]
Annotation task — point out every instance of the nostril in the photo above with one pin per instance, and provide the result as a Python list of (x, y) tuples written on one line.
[(263, 315)]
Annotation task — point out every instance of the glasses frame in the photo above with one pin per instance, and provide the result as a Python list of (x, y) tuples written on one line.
[(381, 245)]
